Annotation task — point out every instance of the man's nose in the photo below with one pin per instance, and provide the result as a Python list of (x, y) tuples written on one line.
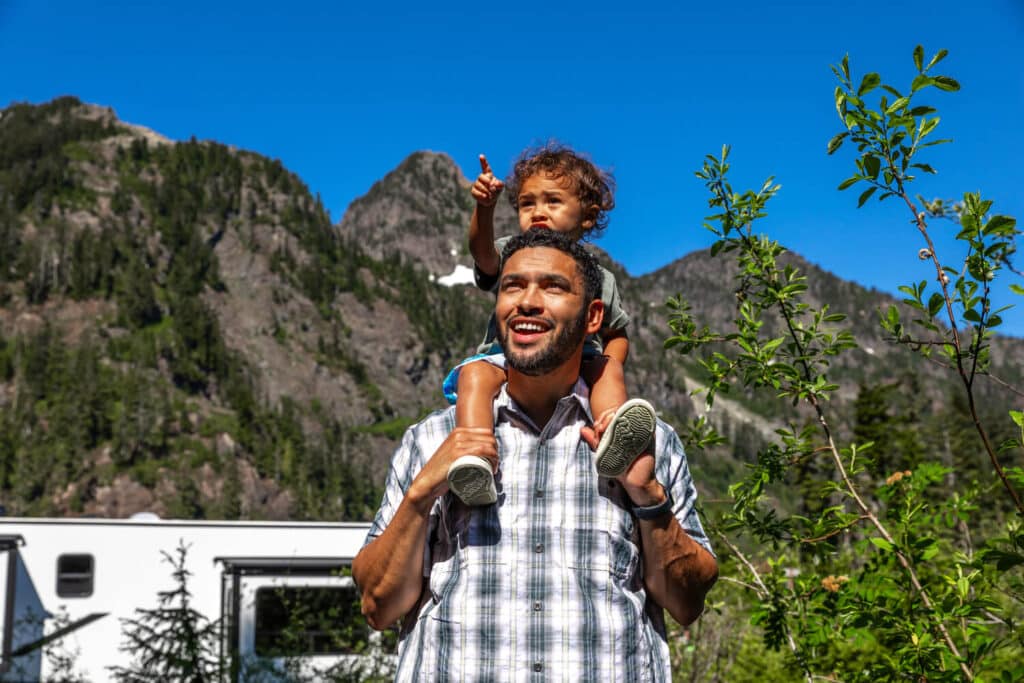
[(530, 300)]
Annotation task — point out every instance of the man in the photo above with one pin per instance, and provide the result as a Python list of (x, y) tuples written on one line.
[(565, 577)]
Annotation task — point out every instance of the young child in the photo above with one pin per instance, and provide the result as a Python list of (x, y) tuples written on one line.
[(552, 188)]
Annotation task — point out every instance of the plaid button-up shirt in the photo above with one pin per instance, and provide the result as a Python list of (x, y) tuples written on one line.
[(548, 583)]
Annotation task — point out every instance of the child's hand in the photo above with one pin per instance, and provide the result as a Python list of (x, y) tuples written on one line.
[(486, 188)]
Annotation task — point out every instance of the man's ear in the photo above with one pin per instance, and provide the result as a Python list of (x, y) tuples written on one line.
[(595, 316), (590, 216)]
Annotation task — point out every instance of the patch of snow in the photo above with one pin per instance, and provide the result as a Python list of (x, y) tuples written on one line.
[(869, 350), (453, 251), (462, 275)]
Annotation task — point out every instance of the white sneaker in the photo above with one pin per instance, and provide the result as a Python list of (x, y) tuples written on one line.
[(472, 480), (628, 435)]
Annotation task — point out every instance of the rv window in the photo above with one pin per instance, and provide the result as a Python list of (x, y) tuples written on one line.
[(74, 576), (294, 621)]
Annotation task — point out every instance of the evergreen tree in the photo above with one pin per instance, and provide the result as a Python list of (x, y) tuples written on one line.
[(173, 641)]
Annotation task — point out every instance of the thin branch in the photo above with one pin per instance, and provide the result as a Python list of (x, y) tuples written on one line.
[(943, 283), (835, 531), (763, 592)]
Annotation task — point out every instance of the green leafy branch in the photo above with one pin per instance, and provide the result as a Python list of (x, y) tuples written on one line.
[(794, 365), (888, 138)]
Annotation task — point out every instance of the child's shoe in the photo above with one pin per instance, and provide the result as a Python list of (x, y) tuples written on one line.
[(472, 480), (628, 434)]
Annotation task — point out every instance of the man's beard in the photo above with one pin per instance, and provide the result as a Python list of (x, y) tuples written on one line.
[(558, 351)]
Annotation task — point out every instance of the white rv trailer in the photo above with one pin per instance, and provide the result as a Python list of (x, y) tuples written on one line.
[(94, 573)]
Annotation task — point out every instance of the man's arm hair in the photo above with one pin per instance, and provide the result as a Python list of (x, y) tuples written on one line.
[(389, 570), (678, 571)]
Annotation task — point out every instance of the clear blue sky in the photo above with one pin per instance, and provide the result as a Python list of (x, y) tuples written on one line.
[(341, 93)]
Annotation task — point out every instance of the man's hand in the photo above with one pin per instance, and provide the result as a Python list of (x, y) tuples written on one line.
[(432, 481), (486, 188), (638, 479)]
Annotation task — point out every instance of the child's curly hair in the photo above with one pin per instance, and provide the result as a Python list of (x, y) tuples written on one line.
[(593, 187)]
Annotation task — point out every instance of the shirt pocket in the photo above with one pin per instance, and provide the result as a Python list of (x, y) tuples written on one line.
[(607, 555)]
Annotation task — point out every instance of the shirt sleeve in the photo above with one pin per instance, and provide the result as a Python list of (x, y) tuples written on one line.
[(674, 473), (405, 463), (484, 281), (615, 317)]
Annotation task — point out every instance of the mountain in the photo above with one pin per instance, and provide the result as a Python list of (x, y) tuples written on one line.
[(183, 330)]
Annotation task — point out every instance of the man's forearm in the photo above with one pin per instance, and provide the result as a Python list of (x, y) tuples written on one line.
[(389, 570), (678, 571)]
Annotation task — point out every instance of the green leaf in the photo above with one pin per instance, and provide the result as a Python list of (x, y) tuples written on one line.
[(927, 126), (849, 182), (872, 165), (1000, 225), (846, 66), (946, 83), (924, 167), (919, 57), (868, 83), (1017, 289), (922, 110), (882, 544), (865, 195), (1017, 417), (836, 142), (897, 105), (921, 81), (939, 56), (935, 303)]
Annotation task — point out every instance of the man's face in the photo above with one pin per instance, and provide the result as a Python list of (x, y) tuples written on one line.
[(547, 201), (540, 313)]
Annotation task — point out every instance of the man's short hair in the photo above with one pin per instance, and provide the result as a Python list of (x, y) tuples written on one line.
[(585, 261)]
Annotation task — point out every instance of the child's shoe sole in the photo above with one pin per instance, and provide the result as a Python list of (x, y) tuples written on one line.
[(471, 479), (628, 435)]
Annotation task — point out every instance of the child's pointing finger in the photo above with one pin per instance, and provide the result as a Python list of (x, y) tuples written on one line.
[(484, 166)]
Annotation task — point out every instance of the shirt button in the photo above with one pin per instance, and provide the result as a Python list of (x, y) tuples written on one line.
[(539, 548), (538, 606), (539, 493), (538, 666)]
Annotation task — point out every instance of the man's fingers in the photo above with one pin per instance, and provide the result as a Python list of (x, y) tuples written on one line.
[(484, 166)]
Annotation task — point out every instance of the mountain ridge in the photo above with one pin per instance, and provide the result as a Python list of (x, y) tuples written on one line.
[(248, 358)]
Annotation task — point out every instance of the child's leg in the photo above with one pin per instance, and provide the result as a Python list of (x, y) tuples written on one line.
[(607, 381), (479, 383), (471, 477), (626, 427)]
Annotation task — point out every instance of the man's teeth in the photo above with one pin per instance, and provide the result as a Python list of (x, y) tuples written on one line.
[(529, 327)]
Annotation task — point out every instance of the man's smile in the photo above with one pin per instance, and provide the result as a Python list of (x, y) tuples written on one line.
[(528, 330)]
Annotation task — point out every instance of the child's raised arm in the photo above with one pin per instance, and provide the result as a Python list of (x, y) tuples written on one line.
[(481, 226)]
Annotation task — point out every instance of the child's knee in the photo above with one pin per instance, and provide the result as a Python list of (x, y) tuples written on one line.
[(480, 377)]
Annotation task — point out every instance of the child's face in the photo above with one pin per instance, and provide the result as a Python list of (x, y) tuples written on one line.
[(547, 201)]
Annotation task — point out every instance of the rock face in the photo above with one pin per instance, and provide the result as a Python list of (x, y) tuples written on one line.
[(182, 330)]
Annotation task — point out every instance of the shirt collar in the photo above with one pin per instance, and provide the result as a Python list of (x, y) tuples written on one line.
[(577, 401)]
